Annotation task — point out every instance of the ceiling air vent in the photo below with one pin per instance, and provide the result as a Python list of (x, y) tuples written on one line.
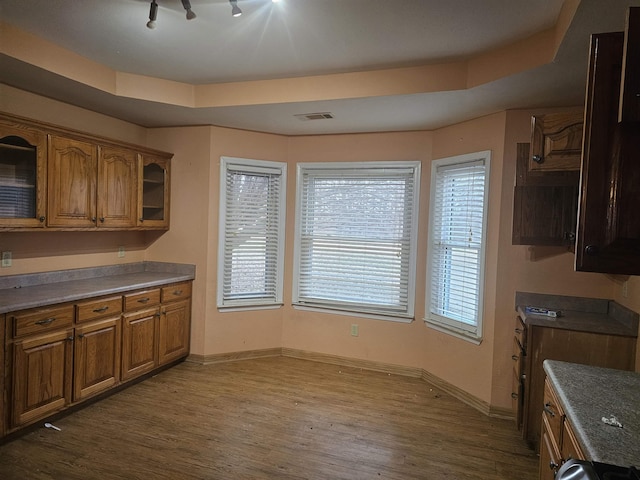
[(314, 116)]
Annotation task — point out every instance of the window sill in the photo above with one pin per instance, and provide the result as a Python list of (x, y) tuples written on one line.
[(455, 332), (373, 316), (244, 308)]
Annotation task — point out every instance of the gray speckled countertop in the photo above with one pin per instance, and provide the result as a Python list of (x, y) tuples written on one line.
[(18, 292), (589, 393), (593, 315)]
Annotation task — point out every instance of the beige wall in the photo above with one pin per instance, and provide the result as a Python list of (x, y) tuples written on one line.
[(484, 371)]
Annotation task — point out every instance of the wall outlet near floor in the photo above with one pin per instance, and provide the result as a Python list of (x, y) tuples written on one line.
[(6, 259), (120, 252), (354, 330)]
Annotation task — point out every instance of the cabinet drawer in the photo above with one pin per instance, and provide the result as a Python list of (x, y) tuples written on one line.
[(27, 322), (97, 308), (179, 291), (517, 356), (147, 298), (552, 412)]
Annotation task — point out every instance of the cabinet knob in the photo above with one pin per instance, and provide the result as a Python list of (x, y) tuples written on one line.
[(102, 219), (514, 357), (548, 410), (553, 465), (70, 338), (592, 250), (538, 158), (42, 218), (141, 219), (93, 219), (81, 335), (570, 235), (514, 395)]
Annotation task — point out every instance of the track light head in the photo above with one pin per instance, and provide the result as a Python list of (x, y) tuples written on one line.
[(187, 6), (235, 9), (153, 14)]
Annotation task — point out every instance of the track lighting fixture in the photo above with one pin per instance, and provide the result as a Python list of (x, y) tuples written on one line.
[(153, 14), (153, 11), (187, 6), (235, 9)]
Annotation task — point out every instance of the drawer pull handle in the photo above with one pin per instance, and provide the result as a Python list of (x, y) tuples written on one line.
[(547, 409), (553, 465), (514, 395), (514, 358), (177, 292), (144, 300), (101, 309), (46, 321), (518, 331)]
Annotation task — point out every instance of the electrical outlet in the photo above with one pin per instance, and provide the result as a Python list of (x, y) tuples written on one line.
[(354, 330), (6, 259), (625, 289), (120, 252)]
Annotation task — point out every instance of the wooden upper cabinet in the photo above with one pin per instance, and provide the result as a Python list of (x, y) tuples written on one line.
[(23, 174), (153, 191), (62, 179), (556, 141), (117, 187), (545, 204), (73, 169), (608, 235)]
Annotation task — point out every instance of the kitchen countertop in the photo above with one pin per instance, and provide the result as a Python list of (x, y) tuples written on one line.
[(592, 315), (587, 394), (19, 292)]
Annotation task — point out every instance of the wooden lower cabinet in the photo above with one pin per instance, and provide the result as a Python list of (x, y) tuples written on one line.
[(42, 375), (97, 357), (139, 342), (174, 332), (60, 355), (558, 441)]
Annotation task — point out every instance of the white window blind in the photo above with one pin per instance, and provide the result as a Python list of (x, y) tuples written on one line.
[(356, 231), (457, 243), (251, 232)]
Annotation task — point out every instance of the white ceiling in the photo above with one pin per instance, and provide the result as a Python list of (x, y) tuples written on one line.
[(300, 38)]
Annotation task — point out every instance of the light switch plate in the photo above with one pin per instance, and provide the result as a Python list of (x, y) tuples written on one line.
[(6, 259)]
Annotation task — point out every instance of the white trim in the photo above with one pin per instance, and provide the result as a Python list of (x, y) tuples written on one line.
[(413, 167), (349, 313), (453, 327), (249, 166)]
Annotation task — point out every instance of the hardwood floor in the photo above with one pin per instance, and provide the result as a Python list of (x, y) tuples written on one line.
[(273, 418)]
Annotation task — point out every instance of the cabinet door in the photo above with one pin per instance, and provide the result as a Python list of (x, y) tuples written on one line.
[(556, 141), (544, 205), (73, 169), (153, 192), (549, 455), (174, 331), (139, 340), (544, 215), (23, 175), (41, 376), (608, 239), (117, 187), (97, 357)]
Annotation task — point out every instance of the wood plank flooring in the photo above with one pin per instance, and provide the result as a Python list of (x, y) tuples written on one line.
[(273, 418)]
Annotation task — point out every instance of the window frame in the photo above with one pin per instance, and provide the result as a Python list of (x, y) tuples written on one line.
[(344, 308), (250, 166), (455, 327)]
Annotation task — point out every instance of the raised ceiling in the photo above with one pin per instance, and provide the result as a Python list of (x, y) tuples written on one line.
[(375, 65)]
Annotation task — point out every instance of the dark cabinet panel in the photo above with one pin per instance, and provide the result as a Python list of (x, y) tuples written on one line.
[(608, 235)]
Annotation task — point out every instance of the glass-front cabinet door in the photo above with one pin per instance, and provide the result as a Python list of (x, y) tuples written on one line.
[(22, 176), (153, 192)]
